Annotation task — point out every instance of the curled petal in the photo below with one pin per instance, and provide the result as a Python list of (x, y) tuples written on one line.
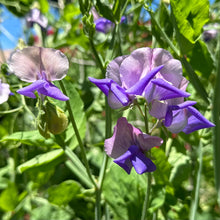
[(164, 90), (43, 87), (48, 89), (29, 90), (196, 121), (102, 84)]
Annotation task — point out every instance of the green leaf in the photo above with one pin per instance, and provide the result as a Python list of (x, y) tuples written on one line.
[(76, 104), (158, 199), (63, 193), (181, 167), (124, 193), (201, 59), (32, 138), (44, 6), (54, 212), (189, 17), (43, 161), (9, 198), (162, 172), (105, 11), (70, 11), (194, 79)]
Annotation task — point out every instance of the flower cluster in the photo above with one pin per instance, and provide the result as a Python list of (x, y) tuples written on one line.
[(156, 76), (39, 66)]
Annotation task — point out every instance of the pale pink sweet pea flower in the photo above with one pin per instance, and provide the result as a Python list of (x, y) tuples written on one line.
[(40, 66)]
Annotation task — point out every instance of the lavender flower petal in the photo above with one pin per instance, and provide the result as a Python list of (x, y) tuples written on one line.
[(121, 140), (4, 92)]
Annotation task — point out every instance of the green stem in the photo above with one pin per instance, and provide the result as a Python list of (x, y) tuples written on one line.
[(97, 56), (72, 119), (163, 34), (149, 179), (147, 198), (216, 119), (195, 201), (12, 110)]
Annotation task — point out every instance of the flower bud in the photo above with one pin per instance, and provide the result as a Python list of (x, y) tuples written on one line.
[(52, 120)]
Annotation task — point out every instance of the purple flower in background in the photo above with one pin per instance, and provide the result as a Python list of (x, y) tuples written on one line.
[(39, 66), (35, 16), (128, 146), (180, 117), (210, 31), (103, 25), (4, 92), (151, 73)]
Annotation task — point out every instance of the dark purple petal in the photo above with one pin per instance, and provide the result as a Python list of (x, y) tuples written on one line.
[(138, 159), (138, 88), (43, 87), (124, 161), (48, 89), (116, 94), (142, 164), (165, 90), (102, 84), (29, 90), (196, 121)]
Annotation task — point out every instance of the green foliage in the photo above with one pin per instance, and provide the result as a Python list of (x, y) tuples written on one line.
[(63, 174)]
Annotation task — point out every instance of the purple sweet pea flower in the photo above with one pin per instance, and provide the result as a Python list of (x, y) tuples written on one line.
[(39, 66), (128, 146), (4, 92), (180, 117), (104, 25), (151, 73), (35, 16)]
